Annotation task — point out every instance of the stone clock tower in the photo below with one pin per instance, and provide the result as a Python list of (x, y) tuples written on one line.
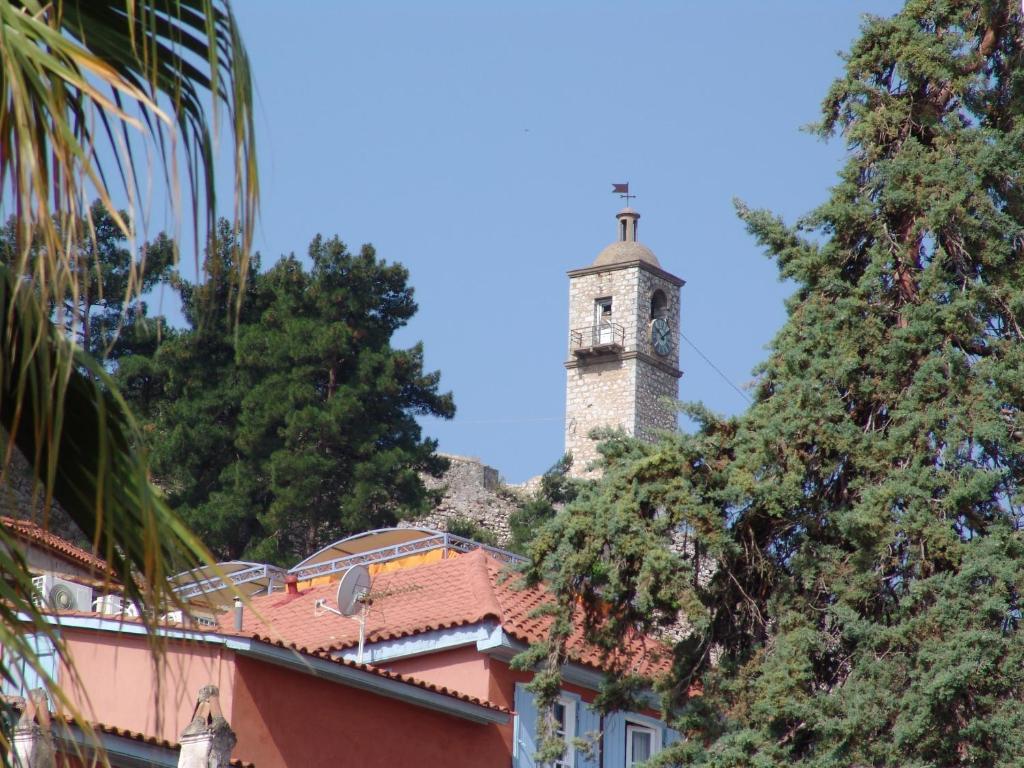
[(623, 359)]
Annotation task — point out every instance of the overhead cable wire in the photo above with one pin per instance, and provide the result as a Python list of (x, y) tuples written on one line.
[(716, 369)]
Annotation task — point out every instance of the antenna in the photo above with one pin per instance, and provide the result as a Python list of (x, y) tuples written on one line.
[(354, 596)]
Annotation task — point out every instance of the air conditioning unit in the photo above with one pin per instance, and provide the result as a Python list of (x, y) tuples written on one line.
[(108, 605), (59, 594), (38, 583)]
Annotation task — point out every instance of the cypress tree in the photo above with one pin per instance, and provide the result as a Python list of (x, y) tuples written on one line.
[(863, 517)]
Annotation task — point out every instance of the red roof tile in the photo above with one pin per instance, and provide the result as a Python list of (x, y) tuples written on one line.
[(29, 531), (459, 591), (642, 654)]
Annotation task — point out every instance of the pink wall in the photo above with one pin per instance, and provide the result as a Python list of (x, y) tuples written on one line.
[(285, 718), (461, 669), (118, 683)]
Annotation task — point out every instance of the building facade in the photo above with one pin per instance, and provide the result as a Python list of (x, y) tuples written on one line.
[(623, 360)]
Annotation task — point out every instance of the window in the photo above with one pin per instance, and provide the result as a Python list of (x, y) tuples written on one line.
[(642, 743), (603, 310), (622, 229), (565, 729)]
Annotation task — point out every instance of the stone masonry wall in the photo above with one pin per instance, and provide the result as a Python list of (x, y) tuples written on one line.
[(656, 391), (472, 491), (631, 390), (656, 388), (600, 394)]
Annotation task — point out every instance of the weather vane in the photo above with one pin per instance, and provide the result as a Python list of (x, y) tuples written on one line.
[(622, 190)]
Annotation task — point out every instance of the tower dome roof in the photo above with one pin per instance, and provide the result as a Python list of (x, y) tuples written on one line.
[(626, 248)]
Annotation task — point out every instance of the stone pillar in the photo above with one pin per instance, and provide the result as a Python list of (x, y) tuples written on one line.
[(32, 744), (208, 740)]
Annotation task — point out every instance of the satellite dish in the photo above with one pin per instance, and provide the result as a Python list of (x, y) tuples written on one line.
[(353, 587)]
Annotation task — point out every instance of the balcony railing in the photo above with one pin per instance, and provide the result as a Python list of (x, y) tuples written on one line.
[(597, 339)]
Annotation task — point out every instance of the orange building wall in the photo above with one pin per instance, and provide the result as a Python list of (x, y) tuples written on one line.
[(118, 682), (285, 718)]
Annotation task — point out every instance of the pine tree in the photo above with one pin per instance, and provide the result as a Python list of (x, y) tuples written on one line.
[(288, 421), (864, 515)]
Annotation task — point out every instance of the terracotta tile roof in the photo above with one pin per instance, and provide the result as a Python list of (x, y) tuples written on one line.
[(29, 531), (642, 654), (459, 591), (449, 593)]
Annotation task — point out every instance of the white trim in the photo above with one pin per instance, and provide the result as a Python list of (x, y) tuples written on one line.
[(423, 643), (569, 703), (653, 731)]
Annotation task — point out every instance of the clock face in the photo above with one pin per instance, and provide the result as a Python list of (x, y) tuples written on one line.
[(661, 336)]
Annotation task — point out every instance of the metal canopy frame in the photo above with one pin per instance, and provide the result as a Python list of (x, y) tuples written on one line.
[(430, 541), (192, 584)]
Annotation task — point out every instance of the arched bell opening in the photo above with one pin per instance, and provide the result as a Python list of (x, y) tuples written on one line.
[(659, 305)]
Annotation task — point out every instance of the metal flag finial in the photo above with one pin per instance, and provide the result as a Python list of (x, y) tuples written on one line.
[(622, 190)]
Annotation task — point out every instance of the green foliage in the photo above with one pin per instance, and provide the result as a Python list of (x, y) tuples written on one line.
[(463, 526), (852, 551), (296, 426), (556, 489)]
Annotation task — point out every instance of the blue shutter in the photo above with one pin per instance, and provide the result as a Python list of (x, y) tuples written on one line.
[(588, 726), (525, 745), (670, 736), (615, 740)]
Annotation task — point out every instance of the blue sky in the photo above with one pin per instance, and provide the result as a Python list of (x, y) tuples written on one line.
[(476, 143)]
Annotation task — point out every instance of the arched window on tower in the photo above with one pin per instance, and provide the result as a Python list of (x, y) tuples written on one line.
[(659, 305), (622, 229)]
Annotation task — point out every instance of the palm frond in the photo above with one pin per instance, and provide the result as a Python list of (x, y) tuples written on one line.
[(95, 94), (88, 81)]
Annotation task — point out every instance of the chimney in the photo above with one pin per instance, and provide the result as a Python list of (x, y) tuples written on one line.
[(32, 745), (207, 741), (238, 614), (291, 583)]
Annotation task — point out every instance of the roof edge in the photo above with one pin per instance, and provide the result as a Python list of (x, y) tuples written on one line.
[(317, 663), (594, 269)]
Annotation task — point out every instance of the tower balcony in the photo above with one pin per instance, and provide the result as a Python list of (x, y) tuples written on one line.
[(602, 339)]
